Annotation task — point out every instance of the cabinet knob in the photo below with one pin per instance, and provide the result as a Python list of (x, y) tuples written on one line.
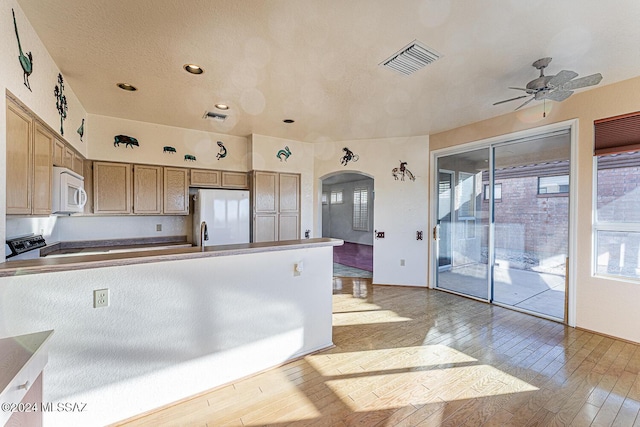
[(24, 386)]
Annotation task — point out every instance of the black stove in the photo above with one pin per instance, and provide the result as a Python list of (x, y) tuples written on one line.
[(20, 245)]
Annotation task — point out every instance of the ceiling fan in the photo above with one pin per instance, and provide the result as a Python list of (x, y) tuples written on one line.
[(556, 88)]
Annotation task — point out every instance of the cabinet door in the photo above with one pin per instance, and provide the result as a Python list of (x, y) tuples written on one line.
[(235, 180), (58, 153), (88, 185), (289, 189), (67, 158), (19, 160), (289, 226), (111, 188), (265, 227), (78, 164), (265, 192), (147, 189), (205, 178), (176, 191), (43, 141)]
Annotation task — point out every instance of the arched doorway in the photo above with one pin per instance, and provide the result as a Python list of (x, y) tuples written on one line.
[(347, 214)]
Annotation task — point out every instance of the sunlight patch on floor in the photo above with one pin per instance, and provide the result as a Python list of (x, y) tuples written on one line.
[(379, 362), (367, 317)]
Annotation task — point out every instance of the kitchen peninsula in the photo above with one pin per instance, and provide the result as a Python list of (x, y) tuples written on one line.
[(178, 322)]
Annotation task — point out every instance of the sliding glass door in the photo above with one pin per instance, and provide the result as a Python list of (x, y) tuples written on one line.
[(462, 225), (503, 223)]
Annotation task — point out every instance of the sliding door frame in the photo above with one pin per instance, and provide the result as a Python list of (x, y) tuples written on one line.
[(572, 126)]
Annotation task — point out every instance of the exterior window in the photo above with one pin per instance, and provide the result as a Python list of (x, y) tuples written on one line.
[(467, 191), (617, 223), (325, 199), (497, 192), (336, 197), (553, 184), (361, 209)]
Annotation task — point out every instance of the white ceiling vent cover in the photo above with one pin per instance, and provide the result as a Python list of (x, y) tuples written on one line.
[(411, 58)]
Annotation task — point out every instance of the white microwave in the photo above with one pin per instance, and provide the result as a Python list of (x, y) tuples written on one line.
[(68, 192)]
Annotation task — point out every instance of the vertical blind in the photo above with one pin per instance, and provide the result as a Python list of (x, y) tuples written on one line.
[(360, 209)]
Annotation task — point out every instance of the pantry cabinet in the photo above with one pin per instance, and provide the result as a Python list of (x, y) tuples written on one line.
[(275, 206)]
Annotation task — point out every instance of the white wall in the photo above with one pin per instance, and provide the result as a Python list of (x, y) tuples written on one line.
[(153, 137), (173, 329), (401, 207), (263, 157), (40, 100)]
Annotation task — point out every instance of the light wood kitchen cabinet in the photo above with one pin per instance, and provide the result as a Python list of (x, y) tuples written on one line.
[(42, 170), (29, 151), (147, 189), (276, 206), (205, 178), (111, 188), (235, 180), (66, 157), (289, 207), (87, 166), (176, 191)]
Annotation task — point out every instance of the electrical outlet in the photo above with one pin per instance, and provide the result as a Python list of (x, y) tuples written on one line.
[(158, 227), (100, 298), (401, 263)]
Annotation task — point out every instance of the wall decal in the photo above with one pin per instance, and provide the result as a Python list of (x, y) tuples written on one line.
[(61, 101), (348, 157), (81, 130), (128, 141), (402, 171), (223, 151), (168, 149), (189, 157), (26, 61), (284, 154)]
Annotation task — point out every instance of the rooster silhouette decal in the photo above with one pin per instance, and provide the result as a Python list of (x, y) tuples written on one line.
[(26, 61)]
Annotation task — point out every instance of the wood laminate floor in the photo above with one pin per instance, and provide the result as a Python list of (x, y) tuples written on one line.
[(418, 357)]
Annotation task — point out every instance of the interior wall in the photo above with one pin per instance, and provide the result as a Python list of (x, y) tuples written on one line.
[(603, 305), (401, 207), (39, 99), (339, 217), (172, 329), (264, 150), (154, 137)]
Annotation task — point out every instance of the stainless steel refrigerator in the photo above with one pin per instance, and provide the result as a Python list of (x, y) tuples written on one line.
[(226, 213)]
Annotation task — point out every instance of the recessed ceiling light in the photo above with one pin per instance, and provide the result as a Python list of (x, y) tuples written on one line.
[(193, 68), (222, 106), (127, 87), (288, 121)]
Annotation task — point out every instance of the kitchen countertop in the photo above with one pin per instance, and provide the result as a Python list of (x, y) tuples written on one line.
[(110, 259)]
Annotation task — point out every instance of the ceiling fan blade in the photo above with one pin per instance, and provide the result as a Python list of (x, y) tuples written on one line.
[(559, 95), (562, 77), (591, 80), (526, 102), (508, 100), (519, 88)]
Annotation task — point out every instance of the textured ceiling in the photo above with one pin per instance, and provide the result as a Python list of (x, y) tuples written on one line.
[(317, 61)]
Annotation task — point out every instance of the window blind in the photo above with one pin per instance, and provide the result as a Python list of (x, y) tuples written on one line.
[(617, 134)]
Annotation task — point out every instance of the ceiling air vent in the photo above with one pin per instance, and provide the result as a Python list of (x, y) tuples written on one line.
[(411, 58), (215, 116)]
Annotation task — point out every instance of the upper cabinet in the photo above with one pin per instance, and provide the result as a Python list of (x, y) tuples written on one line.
[(176, 191), (205, 178), (29, 151), (66, 157), (147, 189), (111, 188)]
